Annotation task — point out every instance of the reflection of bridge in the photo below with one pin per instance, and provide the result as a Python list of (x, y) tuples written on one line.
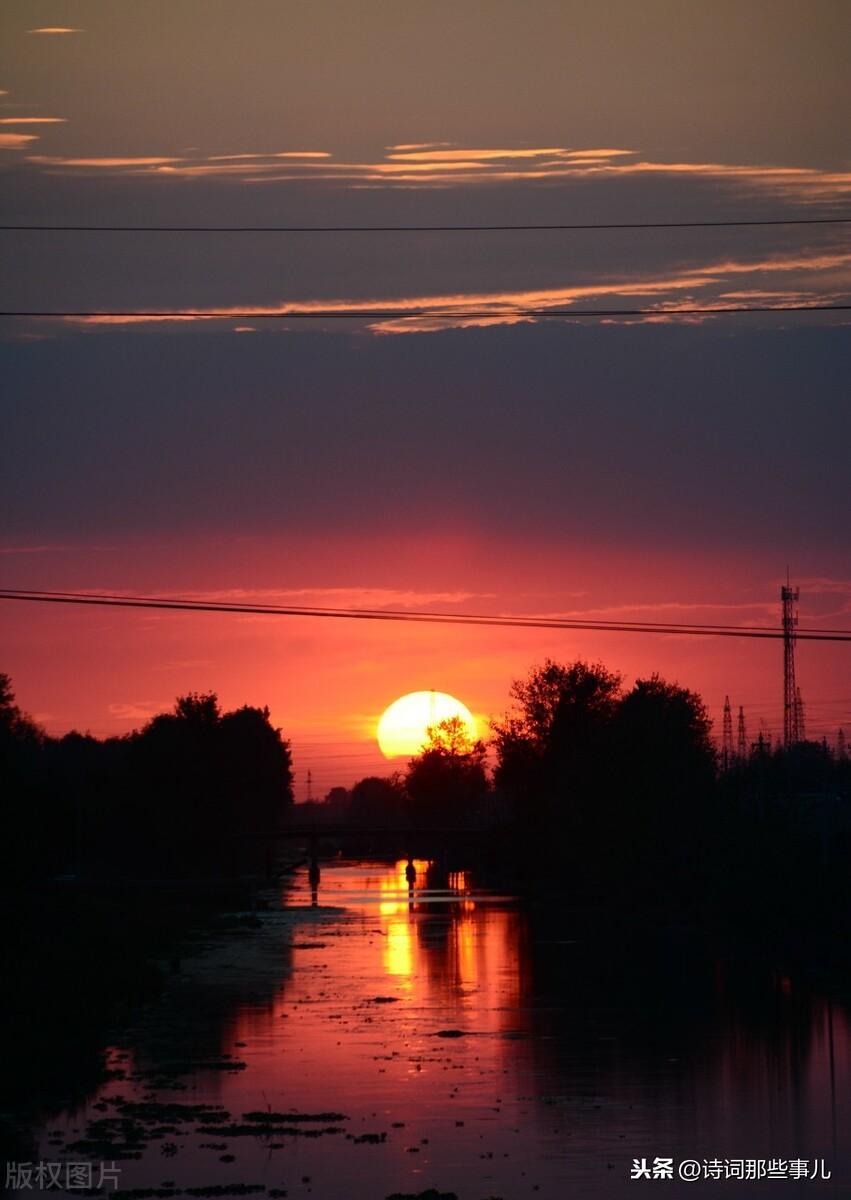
[(344, 831)]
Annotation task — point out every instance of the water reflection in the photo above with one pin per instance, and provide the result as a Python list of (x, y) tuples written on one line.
[(497, 1051)]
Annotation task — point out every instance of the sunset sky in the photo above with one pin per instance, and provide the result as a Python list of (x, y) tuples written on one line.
[(662, 468)]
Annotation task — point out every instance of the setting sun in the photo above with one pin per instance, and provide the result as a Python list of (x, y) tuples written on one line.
[(403, 728)]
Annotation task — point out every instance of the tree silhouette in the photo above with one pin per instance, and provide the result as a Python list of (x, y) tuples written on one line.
[(206, 777), (553, 745), (448, 780), (22, 777), (664, 739), (378, 800), (611, 788), (169, 800)]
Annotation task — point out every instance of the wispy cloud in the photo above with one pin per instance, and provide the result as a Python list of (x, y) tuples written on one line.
[(821, 585), (706, 285), (53, 548), (442, 156), (139, 710), (33, 120), (417, 145), (51, 29), (757, 612), (16, 141), (337, 597), (103, 163), (442, 164), (277, 154)]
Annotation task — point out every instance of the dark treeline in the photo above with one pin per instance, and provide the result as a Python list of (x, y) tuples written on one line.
[(614, 798), (617, 795), (85, 827), (609, 793), (170, 800)]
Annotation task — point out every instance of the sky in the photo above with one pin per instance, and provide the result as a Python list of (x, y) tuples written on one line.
[(660, 467)]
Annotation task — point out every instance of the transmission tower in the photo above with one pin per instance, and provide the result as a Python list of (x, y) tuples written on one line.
[(791, 695), (800, 730), (742, 737), (727, 736)]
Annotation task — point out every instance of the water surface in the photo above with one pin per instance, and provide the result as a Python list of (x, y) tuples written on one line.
[(444, 1037)]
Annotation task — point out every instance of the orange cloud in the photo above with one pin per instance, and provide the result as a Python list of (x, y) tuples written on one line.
[(55, 29), (104, 163), (417, 145), (593, 154), (438, 164), (672, 292), (278, 154), (472, 155), (16, 141), (349, 172), (33, 120)]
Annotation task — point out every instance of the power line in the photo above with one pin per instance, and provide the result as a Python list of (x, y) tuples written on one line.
[(396, 314), (520, 228), (521, 622), (309, 610)]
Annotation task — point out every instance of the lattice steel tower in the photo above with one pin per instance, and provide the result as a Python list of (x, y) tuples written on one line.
[(799, 716), (792, 731), (742, 738), (727, 736)]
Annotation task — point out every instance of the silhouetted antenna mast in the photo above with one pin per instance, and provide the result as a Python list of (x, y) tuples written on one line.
[(841, 747), (727, 736), (309, 786), (742, 738), (791, 695)]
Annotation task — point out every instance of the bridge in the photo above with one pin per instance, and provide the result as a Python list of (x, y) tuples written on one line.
[(410, 837)]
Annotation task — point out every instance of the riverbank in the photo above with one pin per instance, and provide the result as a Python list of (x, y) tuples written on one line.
[(81, 958)]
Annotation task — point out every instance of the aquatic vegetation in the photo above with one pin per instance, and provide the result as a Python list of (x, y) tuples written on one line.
[(275, 1118), (170, 1113), (227, 1189), (261, 1129), (430, 1194), (160, 1193)]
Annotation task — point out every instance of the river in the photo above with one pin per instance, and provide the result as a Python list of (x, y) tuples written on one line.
[(386, 1040)]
